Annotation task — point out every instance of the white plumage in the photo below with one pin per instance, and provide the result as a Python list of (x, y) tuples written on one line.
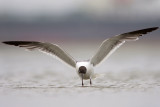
[(84, 68)]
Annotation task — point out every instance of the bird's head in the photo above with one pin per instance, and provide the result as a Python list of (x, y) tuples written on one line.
[(82, 69)]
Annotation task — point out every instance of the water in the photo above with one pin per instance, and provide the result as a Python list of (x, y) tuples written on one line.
[(33, 79)]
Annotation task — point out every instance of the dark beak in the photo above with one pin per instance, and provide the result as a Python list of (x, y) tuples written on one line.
[(82, 71)]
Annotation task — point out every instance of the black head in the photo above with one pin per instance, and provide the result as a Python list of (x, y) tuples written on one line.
[(82, 69)]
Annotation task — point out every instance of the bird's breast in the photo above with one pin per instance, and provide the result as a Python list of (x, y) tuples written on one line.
[(89, 69)]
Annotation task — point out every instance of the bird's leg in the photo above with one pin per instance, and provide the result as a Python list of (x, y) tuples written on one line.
[(82, 80), (90, 81)]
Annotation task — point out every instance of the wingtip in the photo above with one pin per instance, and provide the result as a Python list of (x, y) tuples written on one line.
[(10, 43), (155, 28), (151, 29), (6, 42)]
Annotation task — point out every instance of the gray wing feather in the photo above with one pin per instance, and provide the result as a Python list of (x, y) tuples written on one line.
[(47, 48), (108, 46)]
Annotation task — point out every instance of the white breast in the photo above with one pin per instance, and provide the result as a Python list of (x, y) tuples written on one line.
[(89, 68)]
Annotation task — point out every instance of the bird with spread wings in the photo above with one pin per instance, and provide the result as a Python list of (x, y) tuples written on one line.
[(84, 68)]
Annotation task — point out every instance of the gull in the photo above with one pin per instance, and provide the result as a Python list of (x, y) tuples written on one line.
[(84, 68)]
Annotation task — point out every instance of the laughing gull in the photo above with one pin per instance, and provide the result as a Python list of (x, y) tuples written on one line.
[(84, 68)]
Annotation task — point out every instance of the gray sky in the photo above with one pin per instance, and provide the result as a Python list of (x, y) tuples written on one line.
[(98, 9), (66, 19)]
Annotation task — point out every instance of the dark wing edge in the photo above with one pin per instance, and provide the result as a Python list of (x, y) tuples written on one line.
[(108, 46), (47, 48), (135, 34)]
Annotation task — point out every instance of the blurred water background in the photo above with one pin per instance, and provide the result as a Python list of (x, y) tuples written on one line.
[(128, 78)]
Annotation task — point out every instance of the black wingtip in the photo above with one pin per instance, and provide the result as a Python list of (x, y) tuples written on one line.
[(6, 42), (17, 43), (143, 31), (150, 29), (10, 43), (154, 28)]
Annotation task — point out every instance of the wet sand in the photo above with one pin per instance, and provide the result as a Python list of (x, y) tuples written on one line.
[(33, 79)]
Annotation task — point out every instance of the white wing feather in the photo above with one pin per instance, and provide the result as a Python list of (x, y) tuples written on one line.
[(48, 48), (108, 46)]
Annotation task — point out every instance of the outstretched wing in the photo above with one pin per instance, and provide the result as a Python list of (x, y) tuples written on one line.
[(47, 48), (108, 46)]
